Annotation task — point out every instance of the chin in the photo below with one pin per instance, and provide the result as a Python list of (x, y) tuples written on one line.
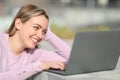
[(31, 47)]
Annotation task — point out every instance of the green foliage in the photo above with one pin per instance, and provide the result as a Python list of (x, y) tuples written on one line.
[(95, 28), (65, 32), (62, 31)]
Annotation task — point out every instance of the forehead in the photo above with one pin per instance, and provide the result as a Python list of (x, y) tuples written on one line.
[(40, 20)]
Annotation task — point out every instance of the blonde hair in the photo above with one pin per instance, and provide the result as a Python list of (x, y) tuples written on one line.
[(25, 13)]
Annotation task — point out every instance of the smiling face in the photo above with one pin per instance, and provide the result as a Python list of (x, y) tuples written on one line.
[(32, 31)]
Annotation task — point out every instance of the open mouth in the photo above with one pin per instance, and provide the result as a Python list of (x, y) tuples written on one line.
[(34, 40)]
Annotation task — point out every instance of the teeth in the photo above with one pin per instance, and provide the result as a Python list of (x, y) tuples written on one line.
[(34, 40)]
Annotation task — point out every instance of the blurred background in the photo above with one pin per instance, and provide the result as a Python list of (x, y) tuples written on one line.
[(68, 16)]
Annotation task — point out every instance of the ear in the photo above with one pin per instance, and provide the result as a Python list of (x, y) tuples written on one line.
[(18, 23)]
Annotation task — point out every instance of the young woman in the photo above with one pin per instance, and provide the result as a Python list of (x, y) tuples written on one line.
[(20, 57)]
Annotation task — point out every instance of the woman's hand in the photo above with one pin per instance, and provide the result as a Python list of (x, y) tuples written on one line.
[(52, 64)]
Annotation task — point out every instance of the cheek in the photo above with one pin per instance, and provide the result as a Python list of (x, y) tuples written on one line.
[(28, 31), (24, 33)]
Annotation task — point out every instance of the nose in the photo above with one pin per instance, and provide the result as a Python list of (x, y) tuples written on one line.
[(40, 35)]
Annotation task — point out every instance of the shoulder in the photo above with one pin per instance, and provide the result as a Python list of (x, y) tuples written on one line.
[(3, 40), (3, 37)]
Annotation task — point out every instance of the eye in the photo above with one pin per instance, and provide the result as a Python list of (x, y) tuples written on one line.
[(36, 27), (44, 32)]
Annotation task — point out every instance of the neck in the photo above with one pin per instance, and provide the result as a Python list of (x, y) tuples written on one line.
[(15, 45)]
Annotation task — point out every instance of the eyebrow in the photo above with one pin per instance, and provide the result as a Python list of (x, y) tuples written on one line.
[(39, 25)]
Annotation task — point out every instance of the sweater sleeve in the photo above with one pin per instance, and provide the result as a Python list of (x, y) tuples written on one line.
[(21, 73), (61, 48)]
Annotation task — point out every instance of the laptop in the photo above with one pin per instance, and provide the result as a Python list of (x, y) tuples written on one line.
[(92, 52)]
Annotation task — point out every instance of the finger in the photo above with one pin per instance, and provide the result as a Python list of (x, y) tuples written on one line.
[(61, 65), (57, 65)]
